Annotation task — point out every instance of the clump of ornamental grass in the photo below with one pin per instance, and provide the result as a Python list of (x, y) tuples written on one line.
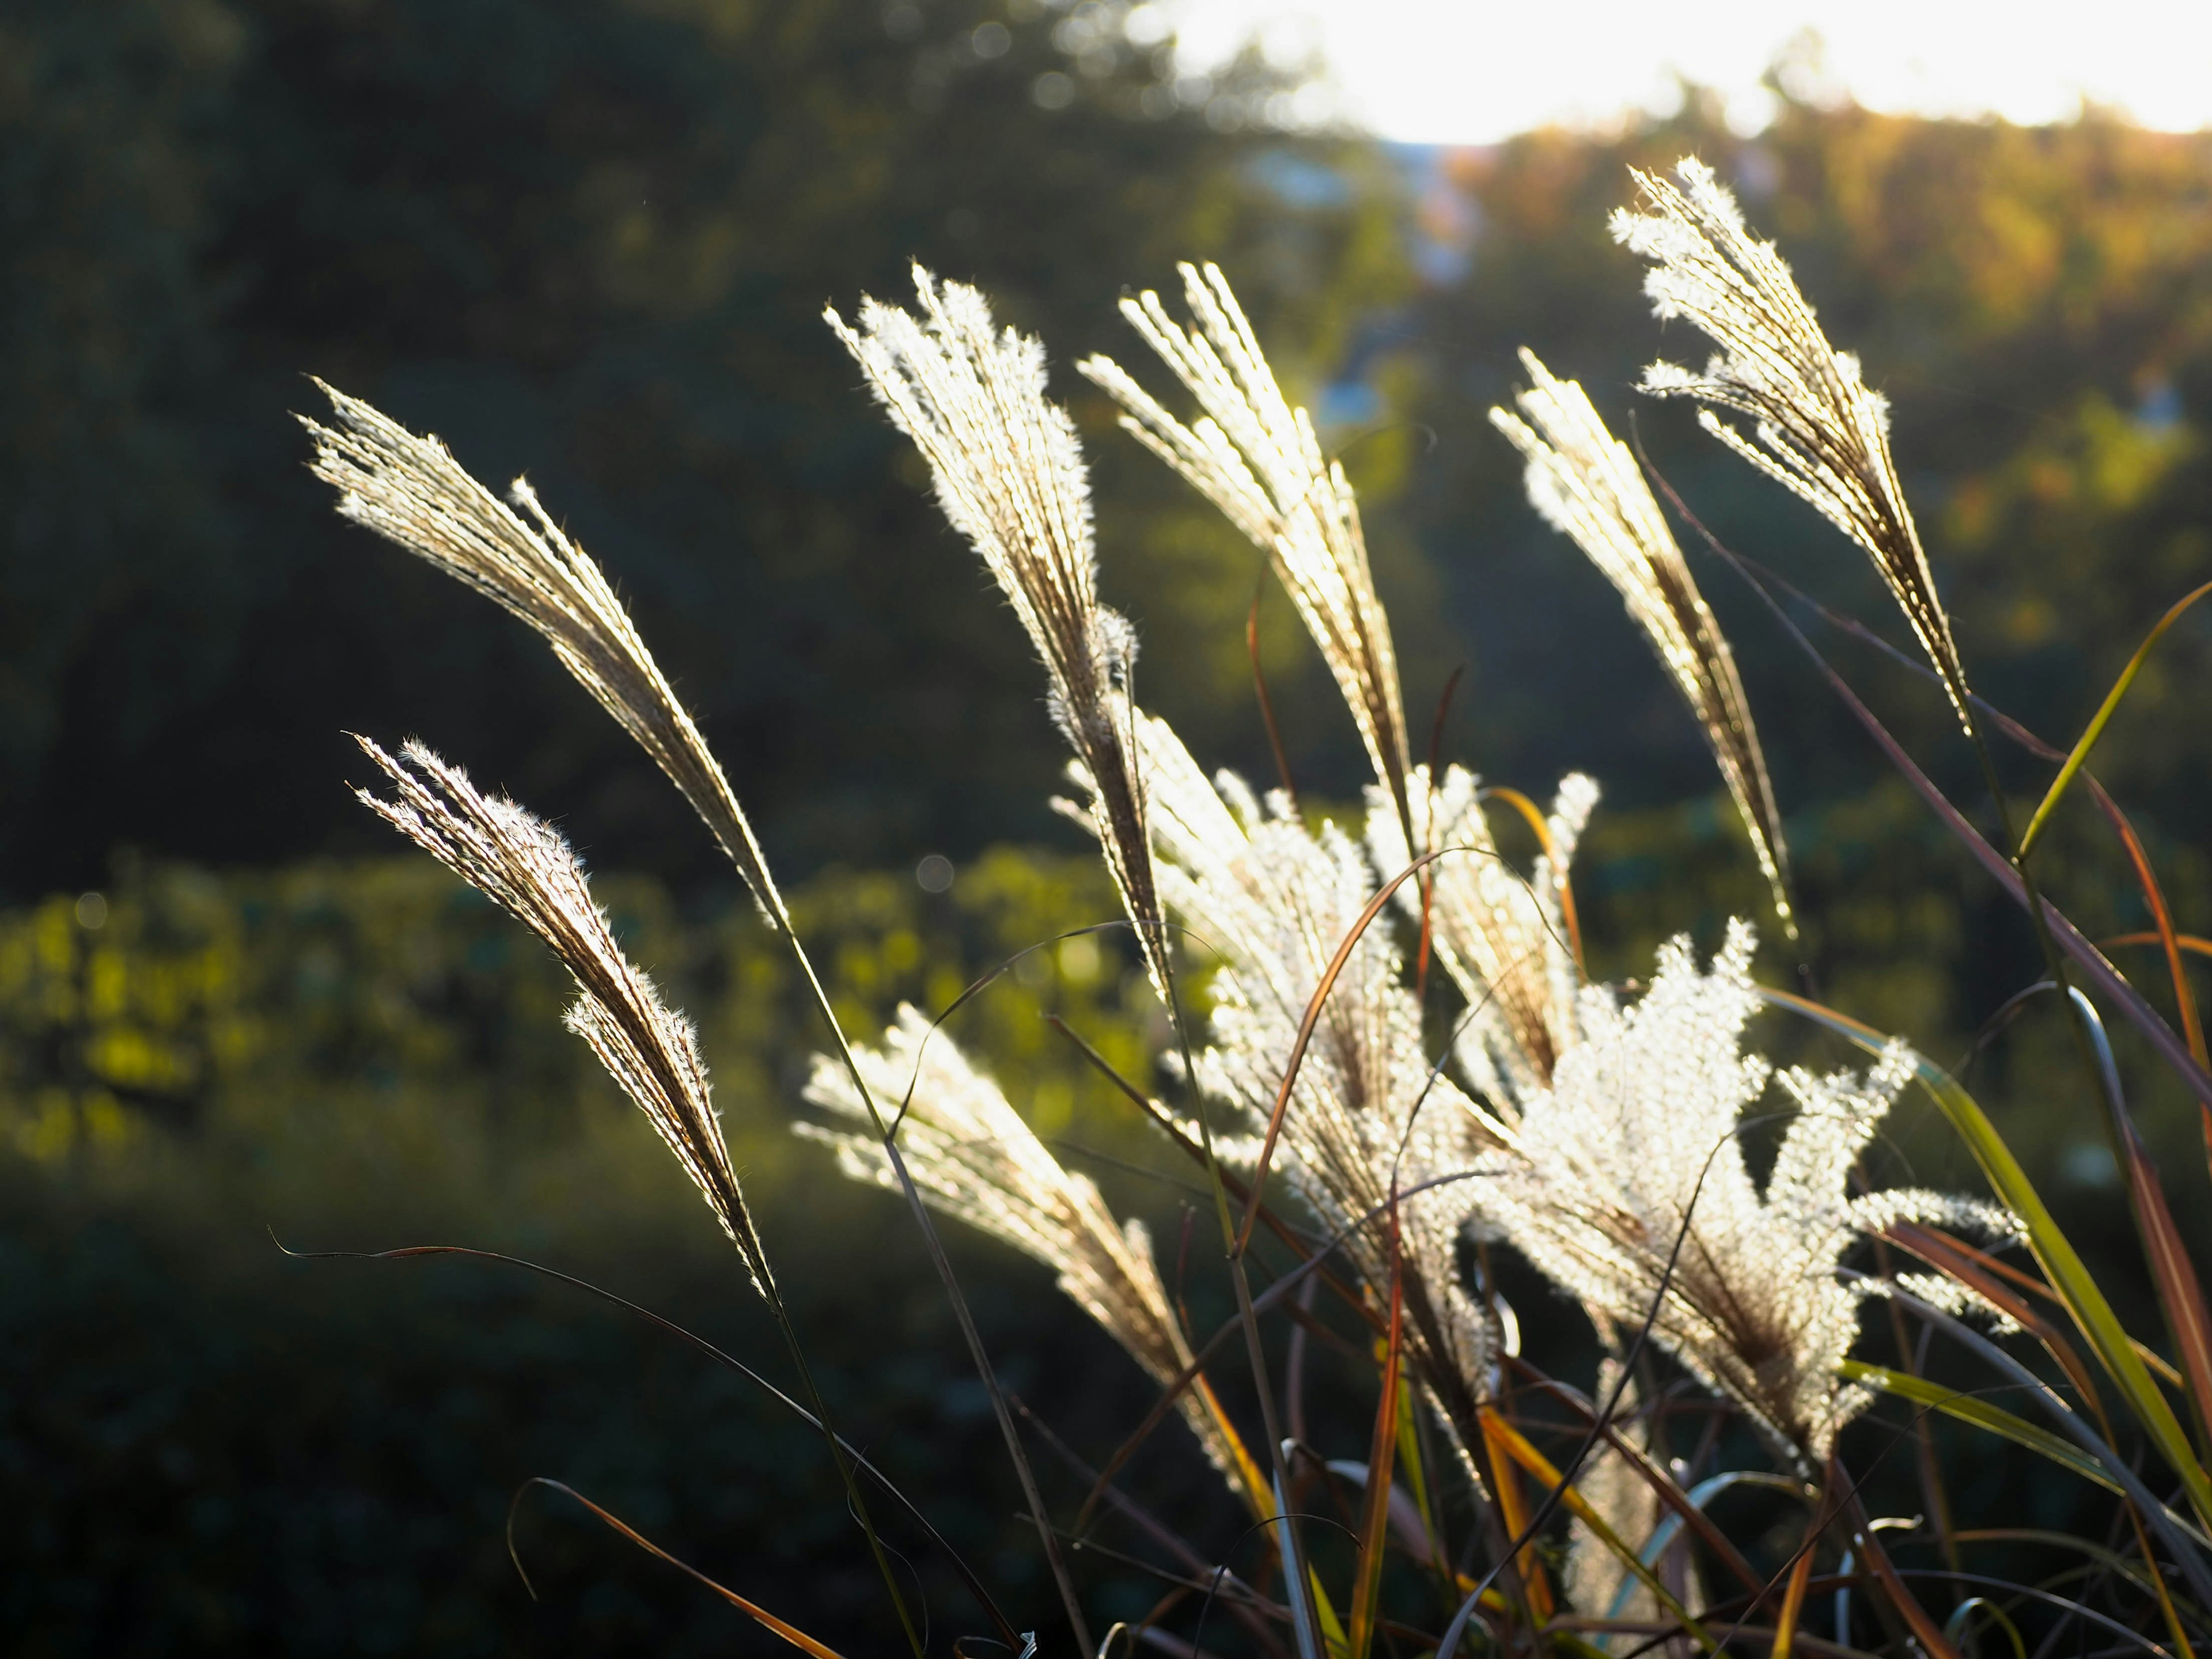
[(1373, 1146)]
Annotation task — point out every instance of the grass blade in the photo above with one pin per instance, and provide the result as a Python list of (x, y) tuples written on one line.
[(1375, 1507), (2080, 753), (2180, 1297), (1508, 1442), (2192, 1029), (2062, 934), (760, 1615), (1971, 1408), (1793, 1603)]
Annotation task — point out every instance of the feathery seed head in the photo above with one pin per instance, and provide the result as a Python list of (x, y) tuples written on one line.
[(973, 1156), (1501, 938), (1010, 475), (1255, 456), (520, 863), (1588, 486), (1369, 1118), (1635, 1146), (1816, 427), (411, 490)]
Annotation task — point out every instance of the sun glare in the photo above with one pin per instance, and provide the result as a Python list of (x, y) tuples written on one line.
[(1459, 72)]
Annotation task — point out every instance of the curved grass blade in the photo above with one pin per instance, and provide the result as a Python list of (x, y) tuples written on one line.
[(2080, 753), (2175, 1531), (729, 1361), (2180, 1296), (2192, 1028), (1297, 1060), (1530, 811), (1966, 1407), (760, 1615)]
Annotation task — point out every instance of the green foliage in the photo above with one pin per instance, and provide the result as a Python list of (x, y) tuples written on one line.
[(366, 1055), (591, 239)]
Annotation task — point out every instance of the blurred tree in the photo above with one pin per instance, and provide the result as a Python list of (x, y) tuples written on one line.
[(2038, 305), (592, 238)]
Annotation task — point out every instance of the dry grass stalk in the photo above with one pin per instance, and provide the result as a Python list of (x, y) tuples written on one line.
[(522, 863), (1587, 485), (975, 1156), (1010, 475), (1816, 425), (1255, 456), (1502, 938), (411, 490)]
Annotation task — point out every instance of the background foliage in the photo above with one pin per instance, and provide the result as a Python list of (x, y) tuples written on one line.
[(590, 238)]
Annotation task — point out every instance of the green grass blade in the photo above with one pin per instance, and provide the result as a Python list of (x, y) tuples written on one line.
[(2079, 755), (1971, 1409)]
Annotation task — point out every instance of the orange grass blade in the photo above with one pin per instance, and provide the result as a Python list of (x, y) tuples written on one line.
[(1505, 1444), (760, 1615), (1793, 1603), (1504, 1438), (1528, 810), (1375, 1509)]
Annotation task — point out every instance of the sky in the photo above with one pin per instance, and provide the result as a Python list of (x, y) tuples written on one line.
[(1475, 71)]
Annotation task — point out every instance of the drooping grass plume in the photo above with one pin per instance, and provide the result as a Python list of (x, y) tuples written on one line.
[(1501, 938), (1010, 475), (1635, 1146), (1254, 455), (1588, 486), (1817, 427), (975, 1156), (411, 490), (522, 864)]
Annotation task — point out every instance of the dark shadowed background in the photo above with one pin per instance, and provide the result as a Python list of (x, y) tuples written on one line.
[(592, 240)]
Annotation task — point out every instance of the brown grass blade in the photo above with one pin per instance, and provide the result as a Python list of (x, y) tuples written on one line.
[(1344, 949), (2180, 1296), (2065, 936), (2192, 1028)]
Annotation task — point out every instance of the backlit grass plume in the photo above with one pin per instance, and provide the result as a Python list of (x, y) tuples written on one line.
[(1010, 475), (1588, 486), (521, 864), (1817, 427), (975, 1156), (411, 490), (1254, 455), (1370, 1122), (1503, 938), (1626, 1186)]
